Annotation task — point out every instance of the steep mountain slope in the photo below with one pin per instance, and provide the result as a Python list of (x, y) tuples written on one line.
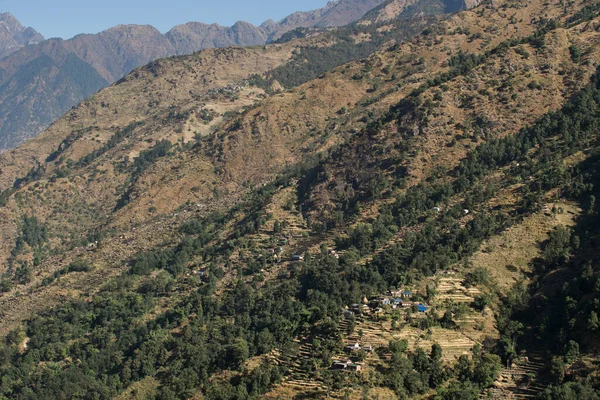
[(243, 161), (292, 123), (314, 55), (337, 46), (60, 80), (14, 36), (114, 53), (170, 233)]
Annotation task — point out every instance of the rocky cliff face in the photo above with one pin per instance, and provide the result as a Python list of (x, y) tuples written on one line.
[(14, 36)]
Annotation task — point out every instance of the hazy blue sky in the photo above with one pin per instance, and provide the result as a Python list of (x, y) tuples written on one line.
[(66, 18)]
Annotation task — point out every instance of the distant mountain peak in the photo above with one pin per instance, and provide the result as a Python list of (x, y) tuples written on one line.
[(14, 36), (8, 18)]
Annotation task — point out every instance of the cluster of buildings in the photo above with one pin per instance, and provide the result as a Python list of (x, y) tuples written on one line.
[(234, 88), (347, 364), (393, 300), (299, 257), (352, 348), (276, 253), (438, 210)]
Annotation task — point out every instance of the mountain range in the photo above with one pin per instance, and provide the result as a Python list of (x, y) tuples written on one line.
[(40, 80)]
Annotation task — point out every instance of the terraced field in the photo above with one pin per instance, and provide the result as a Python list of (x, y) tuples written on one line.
[(521, 381)]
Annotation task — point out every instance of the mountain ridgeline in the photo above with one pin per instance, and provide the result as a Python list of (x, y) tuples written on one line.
[(27, 102), (420, 222)]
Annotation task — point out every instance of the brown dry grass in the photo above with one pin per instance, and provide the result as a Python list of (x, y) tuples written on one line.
[(509, 256)]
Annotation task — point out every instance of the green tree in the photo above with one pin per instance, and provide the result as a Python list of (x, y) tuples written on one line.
[(593, 323), (464, 369), (570, 391), (558, 369), (436, 371), (487, 369), (558, 247), (575, 53), (398, 346), (462, 390), (571, 351), (238, 352), (436, 353), (265, 341)]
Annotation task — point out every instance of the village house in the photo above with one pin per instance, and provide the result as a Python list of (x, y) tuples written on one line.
[(339, 365), (353, 347), (360, 309), (354, 367), (202, 274), (422, 308), (346, 365), (406, 304)]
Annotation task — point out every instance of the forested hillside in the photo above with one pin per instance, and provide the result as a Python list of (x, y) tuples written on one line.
[(419, 223)]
